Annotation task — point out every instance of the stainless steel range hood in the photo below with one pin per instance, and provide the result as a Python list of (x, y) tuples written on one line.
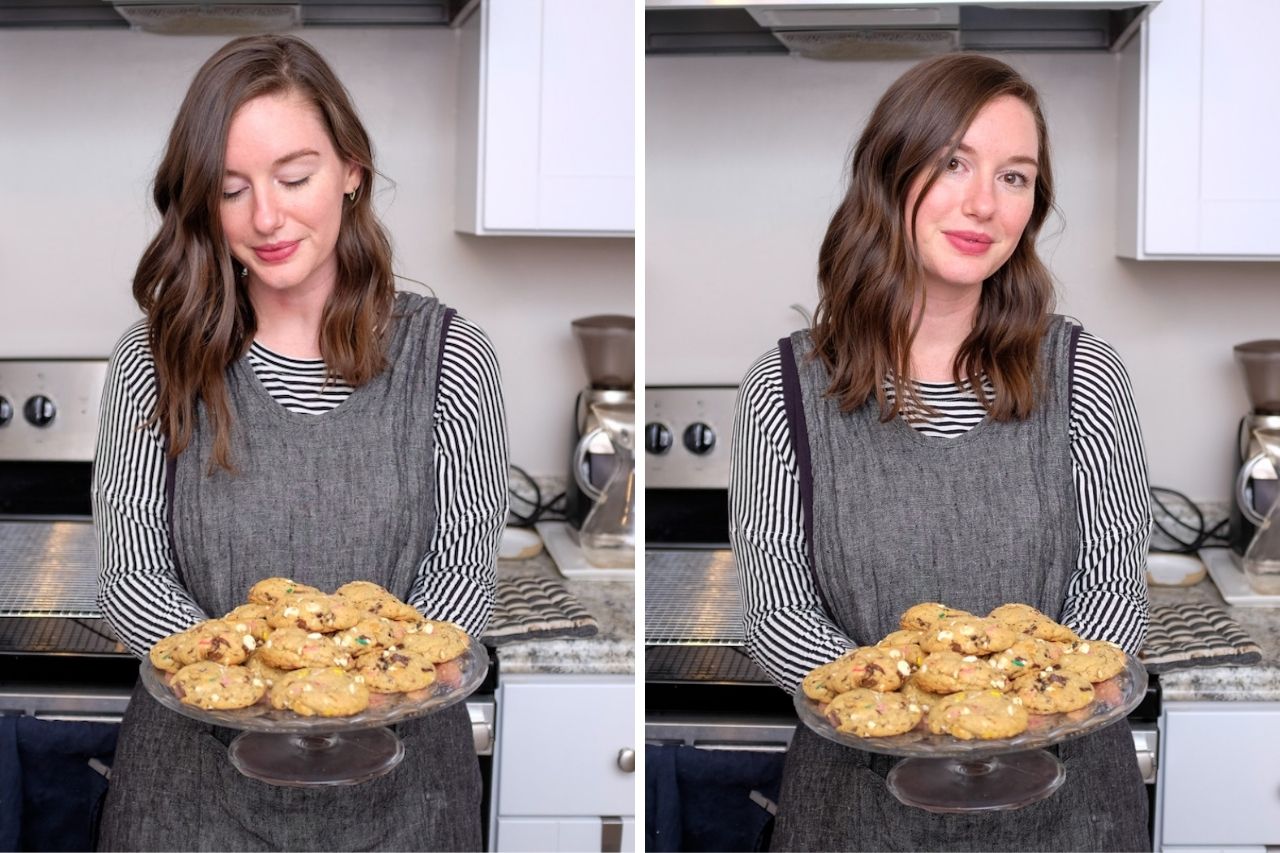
[(872, 29), (227, 17)]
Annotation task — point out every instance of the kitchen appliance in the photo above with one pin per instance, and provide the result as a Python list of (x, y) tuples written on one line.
[(1256, 486), (701, 687), (876, 29), (59, 660), (608, 536), (607, 344)]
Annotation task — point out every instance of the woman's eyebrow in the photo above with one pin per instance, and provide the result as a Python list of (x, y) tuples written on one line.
[(1017, 158), (280, 161)]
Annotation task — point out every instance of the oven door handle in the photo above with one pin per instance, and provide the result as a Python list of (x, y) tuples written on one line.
[(73, 717)]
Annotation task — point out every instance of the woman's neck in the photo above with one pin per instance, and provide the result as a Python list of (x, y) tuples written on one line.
[(288, 322), (947, 319)]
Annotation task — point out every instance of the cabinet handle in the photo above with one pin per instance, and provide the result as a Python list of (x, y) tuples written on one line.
[(627, 760)]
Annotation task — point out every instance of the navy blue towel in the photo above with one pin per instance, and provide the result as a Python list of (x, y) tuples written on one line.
[(700, 799), (49, 794)]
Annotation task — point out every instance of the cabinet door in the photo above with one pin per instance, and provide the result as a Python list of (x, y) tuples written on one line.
[(560, 742), (558, 146), (1210, 124), (1220, 780)]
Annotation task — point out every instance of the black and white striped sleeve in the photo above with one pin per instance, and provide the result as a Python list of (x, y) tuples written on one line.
[(138, 588), (787, 631), (1107, 595), (458, 577)]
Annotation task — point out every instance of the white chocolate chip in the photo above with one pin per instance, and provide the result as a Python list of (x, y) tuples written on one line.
[(291, 611), (249, 642), (945, 635), (904, 667), (969, 658), (314, 636)]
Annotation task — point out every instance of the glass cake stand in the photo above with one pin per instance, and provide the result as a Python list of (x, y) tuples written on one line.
[(941, 773), (284, 748)]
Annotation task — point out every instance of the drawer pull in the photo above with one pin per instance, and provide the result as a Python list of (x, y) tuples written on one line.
[(627, 760)]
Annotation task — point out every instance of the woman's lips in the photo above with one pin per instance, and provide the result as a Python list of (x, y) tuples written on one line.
[(276, 252), (969, 243)]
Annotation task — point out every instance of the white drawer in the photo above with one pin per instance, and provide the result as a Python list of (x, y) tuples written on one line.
[(560, 742), (1220, 781)]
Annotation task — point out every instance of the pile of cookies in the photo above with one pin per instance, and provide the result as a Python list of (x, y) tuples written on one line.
[(309, 652), (964, 675)]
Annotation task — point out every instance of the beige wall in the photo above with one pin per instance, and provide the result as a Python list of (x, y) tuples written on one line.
[(83, 120), (744, 163)]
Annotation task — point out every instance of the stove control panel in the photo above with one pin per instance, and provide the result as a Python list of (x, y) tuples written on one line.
[(49, 409), (686, 435)]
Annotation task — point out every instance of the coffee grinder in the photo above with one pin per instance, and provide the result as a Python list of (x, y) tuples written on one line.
[(1256, 486), (607, 343)]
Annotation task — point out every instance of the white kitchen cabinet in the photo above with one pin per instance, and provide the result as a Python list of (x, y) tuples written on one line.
[(1219, 784), (564, 776), (546, 118), (1199, 117)]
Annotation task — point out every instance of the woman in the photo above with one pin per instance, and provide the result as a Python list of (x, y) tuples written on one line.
[(940, 436), (282, 411)]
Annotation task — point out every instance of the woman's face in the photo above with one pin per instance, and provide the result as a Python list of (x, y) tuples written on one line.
[(971, 219), (282, 196)]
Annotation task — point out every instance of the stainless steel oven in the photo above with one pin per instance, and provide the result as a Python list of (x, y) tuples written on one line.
[(701, 688)]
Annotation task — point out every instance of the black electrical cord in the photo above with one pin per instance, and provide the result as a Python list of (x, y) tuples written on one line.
[(1200, 531), (551, 510)]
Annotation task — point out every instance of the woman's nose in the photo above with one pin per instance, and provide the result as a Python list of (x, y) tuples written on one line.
[(980, 199), (267, 213)]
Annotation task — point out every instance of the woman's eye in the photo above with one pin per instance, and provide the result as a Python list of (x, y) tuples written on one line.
[(953, 165), (229, 195), (1015, 179), (297, 183)]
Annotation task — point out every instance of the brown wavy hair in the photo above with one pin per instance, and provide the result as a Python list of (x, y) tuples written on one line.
[(188, 284), (869, 270)]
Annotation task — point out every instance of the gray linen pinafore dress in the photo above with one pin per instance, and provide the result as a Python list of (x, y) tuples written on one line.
[(895, 518), (324, 499)]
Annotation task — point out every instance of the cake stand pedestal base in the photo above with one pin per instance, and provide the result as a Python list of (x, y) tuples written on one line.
[(961, 786), (316, 760)]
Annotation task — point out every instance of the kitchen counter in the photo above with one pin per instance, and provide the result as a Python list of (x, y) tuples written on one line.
[(1257, 683), (611, 651)]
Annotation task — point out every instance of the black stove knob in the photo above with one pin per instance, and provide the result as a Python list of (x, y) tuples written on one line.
[(6, 411), (39, 410), (699, 438), (657, 438)]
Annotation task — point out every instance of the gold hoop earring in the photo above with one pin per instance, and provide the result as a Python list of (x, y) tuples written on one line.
[(352, 195)]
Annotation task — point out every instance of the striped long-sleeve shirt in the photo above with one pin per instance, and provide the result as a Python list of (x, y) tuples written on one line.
[(788, 632), (139, 592)]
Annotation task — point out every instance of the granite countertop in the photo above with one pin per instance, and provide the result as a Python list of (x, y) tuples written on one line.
[(1257, 683), (610, 652)]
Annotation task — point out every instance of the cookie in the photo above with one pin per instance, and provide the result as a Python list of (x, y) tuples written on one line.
[(1053, 691), (869, 713), (271, 590), (266, 672), (377, 601), (220, 642), (951, 672), (1025, 619), (395, 671), (312, 612), (372, 632), (1096, 660), (212, 685), (439, 641), (173, 652), (968, 635), (908, 644), (871, 667), (320, 691), (982, 714), (817, 685), (250, 619), (295, 648), (922, 617), (917, 695), (1027, 655)]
